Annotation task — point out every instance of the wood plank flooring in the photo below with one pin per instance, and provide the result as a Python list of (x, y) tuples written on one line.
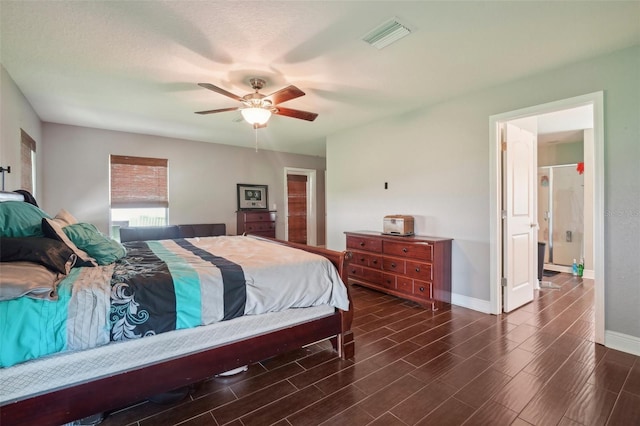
[(535, 366)]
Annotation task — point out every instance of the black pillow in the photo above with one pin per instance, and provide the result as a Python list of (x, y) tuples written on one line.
[(53, 254)]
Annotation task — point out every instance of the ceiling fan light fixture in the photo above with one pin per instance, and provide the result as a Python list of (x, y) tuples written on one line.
[(256, 115)]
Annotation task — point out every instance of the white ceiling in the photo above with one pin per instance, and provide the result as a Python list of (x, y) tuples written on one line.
[(564, 126), (134, 65)]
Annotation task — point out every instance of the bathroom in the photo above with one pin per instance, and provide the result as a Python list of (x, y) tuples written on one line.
[(565, 192)]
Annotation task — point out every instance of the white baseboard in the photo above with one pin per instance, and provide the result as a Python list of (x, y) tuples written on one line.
[(479, 305), (622, 342)]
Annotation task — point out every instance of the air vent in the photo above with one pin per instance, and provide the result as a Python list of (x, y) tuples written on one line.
[(387, 33)]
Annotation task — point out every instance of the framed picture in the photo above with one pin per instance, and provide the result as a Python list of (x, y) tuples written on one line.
[(252, 196)]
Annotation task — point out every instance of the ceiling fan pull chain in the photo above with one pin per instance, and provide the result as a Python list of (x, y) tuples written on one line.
[(255, 128)]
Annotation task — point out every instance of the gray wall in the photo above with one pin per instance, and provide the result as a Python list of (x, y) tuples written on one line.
[(16, 113), (562, 153), (202, 176), (437, 161)]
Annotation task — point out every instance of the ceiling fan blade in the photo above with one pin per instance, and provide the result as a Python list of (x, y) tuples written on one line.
[(219, 90), (213, 111), (296, 113), (286, 94)]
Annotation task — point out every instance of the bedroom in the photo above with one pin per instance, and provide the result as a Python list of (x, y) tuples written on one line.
[(456, 182)]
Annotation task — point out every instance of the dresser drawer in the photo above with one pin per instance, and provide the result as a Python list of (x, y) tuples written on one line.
[(419, 271), (422, 251), (393, 265), (364, 243), (422, 289), (259, 216), (259, 227), (367, 259), (404, 285), (367, 274), (372, 275), (355, 271), (389, 281)]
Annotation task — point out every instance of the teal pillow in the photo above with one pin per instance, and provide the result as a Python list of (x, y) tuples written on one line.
[(20, 219), (97, 245)]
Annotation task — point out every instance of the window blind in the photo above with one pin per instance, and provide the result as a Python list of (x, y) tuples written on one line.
[(27, 149), (138, 182)]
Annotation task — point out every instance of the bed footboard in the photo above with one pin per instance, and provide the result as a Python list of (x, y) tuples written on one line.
[(343, 343)]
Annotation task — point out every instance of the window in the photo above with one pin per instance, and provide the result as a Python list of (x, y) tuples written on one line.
[(139, 194), (28, 162)]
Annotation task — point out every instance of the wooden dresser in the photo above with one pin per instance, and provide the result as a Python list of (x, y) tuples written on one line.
[(257, 222), (416, 268)]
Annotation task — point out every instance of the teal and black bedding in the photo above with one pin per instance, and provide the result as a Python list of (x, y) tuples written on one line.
[(160, 286)]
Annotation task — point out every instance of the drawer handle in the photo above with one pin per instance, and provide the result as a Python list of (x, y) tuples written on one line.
[(421, 289), (417, 269), (361, 243), (353, 271), (404, 250), (393, 265), (362, 259), (375, 261), (388, 281)]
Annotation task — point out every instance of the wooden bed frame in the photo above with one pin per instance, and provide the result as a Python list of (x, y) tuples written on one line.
[(101, 395)]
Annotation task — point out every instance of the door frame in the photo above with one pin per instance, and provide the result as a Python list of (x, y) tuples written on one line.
[(596, 152), (312, 221)]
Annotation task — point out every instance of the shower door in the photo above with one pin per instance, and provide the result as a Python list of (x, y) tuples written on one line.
[(561, 213)]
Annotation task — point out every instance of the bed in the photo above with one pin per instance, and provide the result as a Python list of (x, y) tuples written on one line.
[(179, 349)]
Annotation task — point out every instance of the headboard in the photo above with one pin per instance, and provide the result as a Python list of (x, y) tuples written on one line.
[(145, 233)]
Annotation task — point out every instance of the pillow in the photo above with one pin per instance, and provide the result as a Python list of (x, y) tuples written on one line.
[(28, 279), (53, 254), (64, 218), (102, 248), (52, 229), (20, 219)]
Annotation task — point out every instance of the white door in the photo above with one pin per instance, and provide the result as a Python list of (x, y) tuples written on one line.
[(519, 225)]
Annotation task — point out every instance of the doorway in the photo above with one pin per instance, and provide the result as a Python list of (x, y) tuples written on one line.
[(593, 161), (297, 208), (561, 216), (300, 205)]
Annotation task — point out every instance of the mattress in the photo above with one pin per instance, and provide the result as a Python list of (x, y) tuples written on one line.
[(72, 368)]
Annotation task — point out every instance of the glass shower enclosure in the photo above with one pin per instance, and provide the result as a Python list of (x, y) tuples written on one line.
[(561, 215)]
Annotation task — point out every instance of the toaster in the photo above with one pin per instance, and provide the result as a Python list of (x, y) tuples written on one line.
[(398, 224)]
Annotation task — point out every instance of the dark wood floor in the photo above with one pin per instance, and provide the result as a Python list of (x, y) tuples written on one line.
[(537, 365)]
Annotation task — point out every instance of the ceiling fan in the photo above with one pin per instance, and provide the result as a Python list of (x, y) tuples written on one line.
[(257, 108)]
